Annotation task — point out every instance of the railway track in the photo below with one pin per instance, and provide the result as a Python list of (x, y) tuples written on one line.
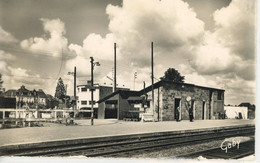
[(246, 148), (127, 145)]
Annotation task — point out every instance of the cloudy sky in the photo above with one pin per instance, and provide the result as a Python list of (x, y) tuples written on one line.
[(210, 42)]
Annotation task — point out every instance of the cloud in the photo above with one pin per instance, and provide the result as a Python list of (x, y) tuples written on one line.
[(226, 52), (213, 58), (168, 23), (4, 56), (4, 59), (14, 78), (231, 47), (136, 24), (82, 64), (96, 46), (93, 46), (6, 37), (237, 89), (54, 44), (236, 27)]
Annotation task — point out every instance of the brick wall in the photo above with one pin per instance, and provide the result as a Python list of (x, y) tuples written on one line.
[(168, 93)]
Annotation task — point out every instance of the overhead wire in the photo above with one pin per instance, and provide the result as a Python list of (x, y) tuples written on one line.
[(60, 65), (49, 53)]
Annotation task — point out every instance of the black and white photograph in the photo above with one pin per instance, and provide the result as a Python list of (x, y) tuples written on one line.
[(128, 80)]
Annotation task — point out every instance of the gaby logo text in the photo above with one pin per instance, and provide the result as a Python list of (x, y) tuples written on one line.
[(227, 144)]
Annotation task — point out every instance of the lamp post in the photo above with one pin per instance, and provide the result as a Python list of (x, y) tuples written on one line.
[(93, 64)]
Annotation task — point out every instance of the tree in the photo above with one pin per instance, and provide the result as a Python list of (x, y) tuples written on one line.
[(1, 81), (60, 92), (1, 84), (173, 75), (52, 102)]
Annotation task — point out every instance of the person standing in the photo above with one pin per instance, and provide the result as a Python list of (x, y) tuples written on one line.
[(178, 114), (189, 108), (191, 114)]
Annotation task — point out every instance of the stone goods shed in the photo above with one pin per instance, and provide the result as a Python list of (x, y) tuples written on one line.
[(206, 102)]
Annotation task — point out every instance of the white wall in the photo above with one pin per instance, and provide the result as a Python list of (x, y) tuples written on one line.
[(233, 111), (86, 96)]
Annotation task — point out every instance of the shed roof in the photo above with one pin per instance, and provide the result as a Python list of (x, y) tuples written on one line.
[(126, 93), (123, 93), (163, 82)]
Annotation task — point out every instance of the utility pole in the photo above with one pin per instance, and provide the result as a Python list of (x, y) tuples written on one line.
[(152, 81), (66, 86), (75, 74), (92, 109), (92, 88), (135, 76), (114, 88), (158, 100)]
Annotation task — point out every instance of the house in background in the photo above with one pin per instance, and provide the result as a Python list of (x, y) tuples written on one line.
[(28, 98), (251, 109), (236, 112), (10, 93), (206, 102)]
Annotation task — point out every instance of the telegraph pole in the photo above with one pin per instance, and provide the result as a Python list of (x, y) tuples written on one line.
[(92, 87), (92, 109), (135, 76), (152, 81), (75, 74), (114, 88)]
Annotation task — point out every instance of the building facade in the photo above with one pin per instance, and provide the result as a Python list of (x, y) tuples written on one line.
[(28, 98), (84, 97), (206, 103), (236, 112)]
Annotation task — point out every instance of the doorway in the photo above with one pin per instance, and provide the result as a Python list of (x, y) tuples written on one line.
[(203, 110), (111, 111), (177, 102)]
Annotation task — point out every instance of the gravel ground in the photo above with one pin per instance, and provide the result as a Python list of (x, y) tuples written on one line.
[(182, 150)]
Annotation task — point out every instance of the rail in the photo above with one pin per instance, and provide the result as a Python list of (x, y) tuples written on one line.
[(126, 145)]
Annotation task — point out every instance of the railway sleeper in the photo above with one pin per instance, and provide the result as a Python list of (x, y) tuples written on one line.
[(135, 139)]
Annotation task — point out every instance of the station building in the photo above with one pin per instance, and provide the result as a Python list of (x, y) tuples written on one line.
[(206, 102), (84, 97)]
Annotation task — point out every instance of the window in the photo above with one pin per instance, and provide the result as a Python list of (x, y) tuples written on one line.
[(83, 89), (83, 102), (219, 95)]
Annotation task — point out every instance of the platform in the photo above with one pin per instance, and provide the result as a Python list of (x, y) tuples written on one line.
[(102, 128)]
